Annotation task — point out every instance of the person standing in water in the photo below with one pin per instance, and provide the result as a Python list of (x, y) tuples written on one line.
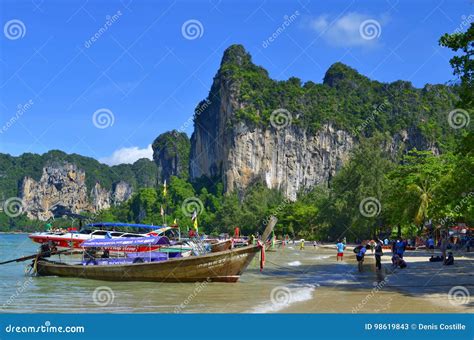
[(360, 256), (378, 255), (302, 244), (340, 250)]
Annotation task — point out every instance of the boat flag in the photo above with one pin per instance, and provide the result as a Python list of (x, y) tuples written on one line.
[(194, 215), (175, 222), (162, 212), (196, 223), (164, 188)]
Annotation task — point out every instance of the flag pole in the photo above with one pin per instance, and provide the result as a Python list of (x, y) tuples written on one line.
[(163, 215), (164, 202)]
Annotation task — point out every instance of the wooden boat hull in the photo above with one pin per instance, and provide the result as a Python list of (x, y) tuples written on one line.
[(225, 266)]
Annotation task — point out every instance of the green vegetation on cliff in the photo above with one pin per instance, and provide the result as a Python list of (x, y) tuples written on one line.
[(346, 99), (171, 154), (143, 173), (372, 193)]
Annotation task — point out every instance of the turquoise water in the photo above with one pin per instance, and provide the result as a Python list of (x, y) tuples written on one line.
[(292, 281), (22, 293)]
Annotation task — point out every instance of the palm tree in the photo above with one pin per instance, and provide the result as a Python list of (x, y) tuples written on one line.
[(423, 192)]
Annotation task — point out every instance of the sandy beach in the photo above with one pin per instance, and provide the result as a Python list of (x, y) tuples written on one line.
[(422, 287)]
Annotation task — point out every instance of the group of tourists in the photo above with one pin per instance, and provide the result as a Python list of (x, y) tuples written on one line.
[(376, 247), (398, 248)]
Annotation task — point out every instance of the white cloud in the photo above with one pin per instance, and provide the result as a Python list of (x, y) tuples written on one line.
[(352, 29), (128, 155)]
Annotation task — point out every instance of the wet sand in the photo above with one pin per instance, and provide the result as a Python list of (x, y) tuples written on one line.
[(422, 287)]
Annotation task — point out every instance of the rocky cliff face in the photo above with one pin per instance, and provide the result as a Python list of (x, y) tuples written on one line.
[(283, 154), (63, 188), (289, 159), (171, 154), (121, 192)]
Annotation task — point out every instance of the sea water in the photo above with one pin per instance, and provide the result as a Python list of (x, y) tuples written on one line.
[(293, 280)]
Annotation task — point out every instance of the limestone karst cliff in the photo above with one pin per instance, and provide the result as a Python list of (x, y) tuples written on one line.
[(291, 135), (171, 154), (287, 134), (63, 188)]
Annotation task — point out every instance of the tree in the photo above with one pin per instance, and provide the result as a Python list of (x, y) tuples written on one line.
[(462, 64), (423, 192), (145, 206), (415, 192), (362, 180)]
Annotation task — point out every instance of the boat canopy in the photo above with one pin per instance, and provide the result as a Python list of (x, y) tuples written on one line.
[(116, 224), (125, 242)]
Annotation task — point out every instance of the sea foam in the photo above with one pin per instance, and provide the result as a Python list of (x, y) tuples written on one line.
[(294, 294)]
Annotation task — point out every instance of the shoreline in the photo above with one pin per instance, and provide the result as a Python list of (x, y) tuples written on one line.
[(431, 287)]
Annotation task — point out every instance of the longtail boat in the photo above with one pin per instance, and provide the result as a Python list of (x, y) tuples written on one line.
[(223, 266), (102, 230)]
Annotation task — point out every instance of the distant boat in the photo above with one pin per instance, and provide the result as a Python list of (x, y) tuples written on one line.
[(222, 266)]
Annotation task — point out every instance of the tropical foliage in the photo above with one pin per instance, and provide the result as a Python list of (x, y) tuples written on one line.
[(376, 191)]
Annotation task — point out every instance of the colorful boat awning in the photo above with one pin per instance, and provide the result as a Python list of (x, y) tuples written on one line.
[(125, 242), (117, 224)]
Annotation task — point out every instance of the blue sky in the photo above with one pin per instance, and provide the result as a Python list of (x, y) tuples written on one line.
[(144, 72)]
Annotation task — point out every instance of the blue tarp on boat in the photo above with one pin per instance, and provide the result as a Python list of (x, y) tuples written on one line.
[(125, 241)]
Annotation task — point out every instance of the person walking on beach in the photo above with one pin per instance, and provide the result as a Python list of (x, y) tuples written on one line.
[(400, 248), (340, 250), (378, 255), (430, 243), (360, 257), (302, 244), (443, 247)]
